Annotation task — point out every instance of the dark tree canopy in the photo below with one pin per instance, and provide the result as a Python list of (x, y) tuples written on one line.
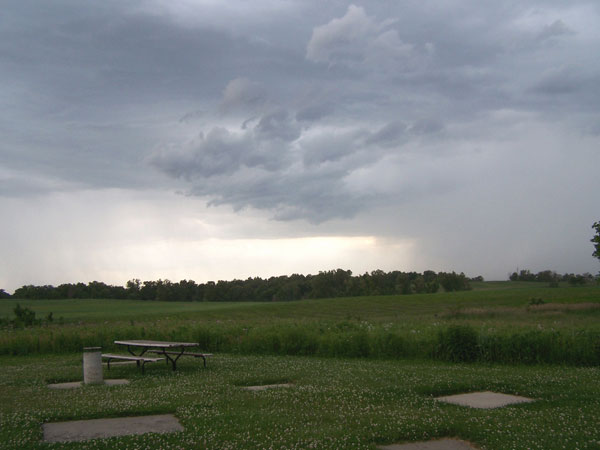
[(331, 283), (596, 240)]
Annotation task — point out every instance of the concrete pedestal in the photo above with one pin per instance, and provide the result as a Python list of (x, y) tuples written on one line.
[(92, 365)]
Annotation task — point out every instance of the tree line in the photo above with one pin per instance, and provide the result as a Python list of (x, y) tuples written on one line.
[(326, 284), (549, 276)]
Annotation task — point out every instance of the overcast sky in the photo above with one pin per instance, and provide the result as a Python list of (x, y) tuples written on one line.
[(209, 140)]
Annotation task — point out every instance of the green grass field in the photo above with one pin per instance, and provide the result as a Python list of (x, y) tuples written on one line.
[(365, 370), (501, 303), (333, 403)]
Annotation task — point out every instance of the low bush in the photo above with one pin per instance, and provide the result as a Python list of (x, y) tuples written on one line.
[(457, 343)]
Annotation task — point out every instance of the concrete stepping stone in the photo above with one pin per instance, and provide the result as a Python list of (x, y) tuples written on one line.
[(83, 430), (78, 384), (264, 387), (484, 400), (441, 444)]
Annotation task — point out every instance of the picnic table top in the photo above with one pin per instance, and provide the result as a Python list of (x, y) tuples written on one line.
[(158, 344)]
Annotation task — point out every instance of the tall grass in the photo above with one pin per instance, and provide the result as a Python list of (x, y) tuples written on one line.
[(343, 339)]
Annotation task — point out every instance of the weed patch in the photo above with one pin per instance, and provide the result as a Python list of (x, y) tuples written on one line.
[(457, 343)]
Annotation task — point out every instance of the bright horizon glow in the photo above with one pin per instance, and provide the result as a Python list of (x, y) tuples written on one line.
[(133, 237), (227, 259)]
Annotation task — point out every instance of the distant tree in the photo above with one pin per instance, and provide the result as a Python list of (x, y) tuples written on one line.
[(4, 294), (36, 292), (165, 291), (577, 280), (454, 282), (133, 289), (596, 240), (148, 290), (547, 276), (210, 292), (526, 275)]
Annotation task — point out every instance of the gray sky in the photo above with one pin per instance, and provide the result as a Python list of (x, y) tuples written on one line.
[(216, 140)]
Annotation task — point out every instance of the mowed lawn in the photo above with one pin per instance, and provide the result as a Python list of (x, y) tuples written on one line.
[(332, 403)]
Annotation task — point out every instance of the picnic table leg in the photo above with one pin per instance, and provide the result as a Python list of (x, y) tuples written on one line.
[(164, 353), (137, 363), (173, 360)]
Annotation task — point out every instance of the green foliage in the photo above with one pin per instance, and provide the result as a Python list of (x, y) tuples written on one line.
[(326, 284), (457, 343), (577, 280), (596, 240), (4, 294), (454, 282), (551, 277), (25, 317), (536, 301)]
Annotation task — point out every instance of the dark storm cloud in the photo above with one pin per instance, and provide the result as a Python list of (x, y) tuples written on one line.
[(243, 94), (277, 125), (393, 77), (216, 153), (315, 196), (566, 81), (313, 113), (108, 55), (102, 94), (390, 134), (88, 91), (555, 29), (330, 146), (426, 127)]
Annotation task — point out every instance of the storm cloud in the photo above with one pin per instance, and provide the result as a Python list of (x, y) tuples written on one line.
[(321, 119)]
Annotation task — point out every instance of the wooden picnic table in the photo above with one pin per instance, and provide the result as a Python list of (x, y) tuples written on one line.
[(172, 351)]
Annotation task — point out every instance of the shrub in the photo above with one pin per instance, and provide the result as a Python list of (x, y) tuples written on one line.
[(457, 343), (536, 301), (25, 317)]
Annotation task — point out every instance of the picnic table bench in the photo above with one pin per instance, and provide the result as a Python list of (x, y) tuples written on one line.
[(138, 359), (172, 351), (194, 354)]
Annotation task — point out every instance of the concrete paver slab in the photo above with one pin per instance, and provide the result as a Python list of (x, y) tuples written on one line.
[(442, 444), (484, 400), (78, 384), (82, 430), (267, 386)]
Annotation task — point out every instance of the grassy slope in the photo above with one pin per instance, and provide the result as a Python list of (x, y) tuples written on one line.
[(498, 304)]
